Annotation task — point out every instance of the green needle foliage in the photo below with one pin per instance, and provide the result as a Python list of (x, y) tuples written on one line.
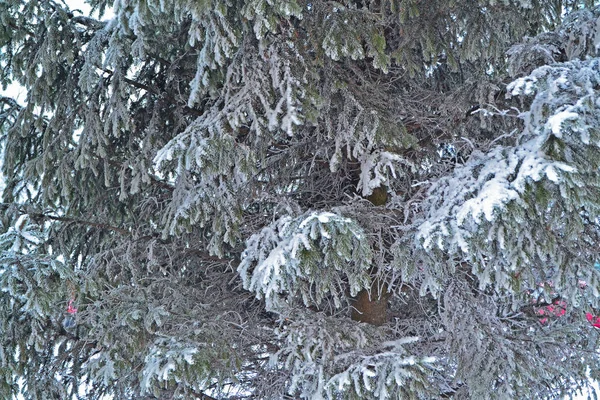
[(269, 199)]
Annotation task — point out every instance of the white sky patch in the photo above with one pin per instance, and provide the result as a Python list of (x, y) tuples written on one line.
[(16, 92)]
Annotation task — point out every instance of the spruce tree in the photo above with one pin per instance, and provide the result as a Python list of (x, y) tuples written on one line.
[(276, 199)]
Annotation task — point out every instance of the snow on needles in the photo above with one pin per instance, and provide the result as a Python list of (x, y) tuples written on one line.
[(314, 251), (564, 101)]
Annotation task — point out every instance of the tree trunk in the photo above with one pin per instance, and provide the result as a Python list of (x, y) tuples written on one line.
[(372, 308)]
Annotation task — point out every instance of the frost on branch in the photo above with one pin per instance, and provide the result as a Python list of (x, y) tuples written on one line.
[(167, 361), (219, 40), (211, 174), (578, 37), (313, 255), (357, 132), (481, 189), (528, 189), (374, 169), (346, 37), (182, 129), (266, 14), (329, 358), (32, 287)]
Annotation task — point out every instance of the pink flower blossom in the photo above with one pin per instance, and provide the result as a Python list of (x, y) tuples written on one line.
[(594, 320), (70, 309)]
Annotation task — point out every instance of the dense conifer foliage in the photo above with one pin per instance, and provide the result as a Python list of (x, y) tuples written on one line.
[(276, 199)]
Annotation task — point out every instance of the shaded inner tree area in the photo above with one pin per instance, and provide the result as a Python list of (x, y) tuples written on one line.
[(281, 199)]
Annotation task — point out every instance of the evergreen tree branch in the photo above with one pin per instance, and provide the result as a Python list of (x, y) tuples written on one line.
[(157, 92), (98, 225), (89, 22)]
